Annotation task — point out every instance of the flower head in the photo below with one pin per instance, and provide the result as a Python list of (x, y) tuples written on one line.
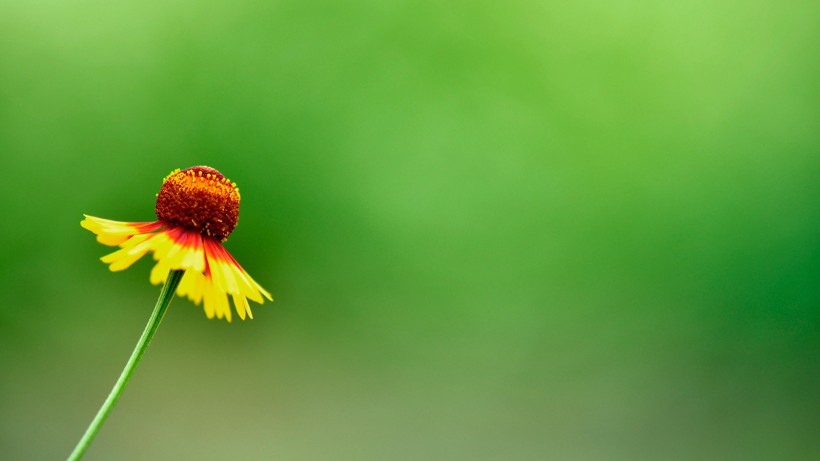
[(199, 199), (197, 209)]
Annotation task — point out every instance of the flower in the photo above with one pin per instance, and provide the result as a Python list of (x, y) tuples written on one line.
[(197, 208)]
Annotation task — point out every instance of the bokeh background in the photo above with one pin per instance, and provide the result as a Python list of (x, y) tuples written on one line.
[(494, 230)]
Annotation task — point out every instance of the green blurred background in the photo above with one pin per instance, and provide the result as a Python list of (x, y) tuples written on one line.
[(494, 230)]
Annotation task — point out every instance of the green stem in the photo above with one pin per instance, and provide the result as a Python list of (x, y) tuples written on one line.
[(164, 300)]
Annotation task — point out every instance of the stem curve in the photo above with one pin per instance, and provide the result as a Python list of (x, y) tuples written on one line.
[(165, 297)]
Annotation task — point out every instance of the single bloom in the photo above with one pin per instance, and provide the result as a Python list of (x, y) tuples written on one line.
[(197, 209)]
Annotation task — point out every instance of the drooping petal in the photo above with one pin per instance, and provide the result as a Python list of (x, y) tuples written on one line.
[(176, 249), (242, 306), (159, 273), (215, 301), (113, 233), (192, 286), (212, 275), (250, 282), (228, 278), (130, 251), (208, 298), (250, 286)]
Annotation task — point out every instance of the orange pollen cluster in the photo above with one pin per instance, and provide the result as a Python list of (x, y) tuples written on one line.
[(201, 199)]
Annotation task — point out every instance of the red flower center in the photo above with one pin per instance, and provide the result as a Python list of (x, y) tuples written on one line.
[(199, 198)]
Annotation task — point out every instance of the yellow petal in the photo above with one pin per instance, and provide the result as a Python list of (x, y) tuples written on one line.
[(159, 273), (241, 305)]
